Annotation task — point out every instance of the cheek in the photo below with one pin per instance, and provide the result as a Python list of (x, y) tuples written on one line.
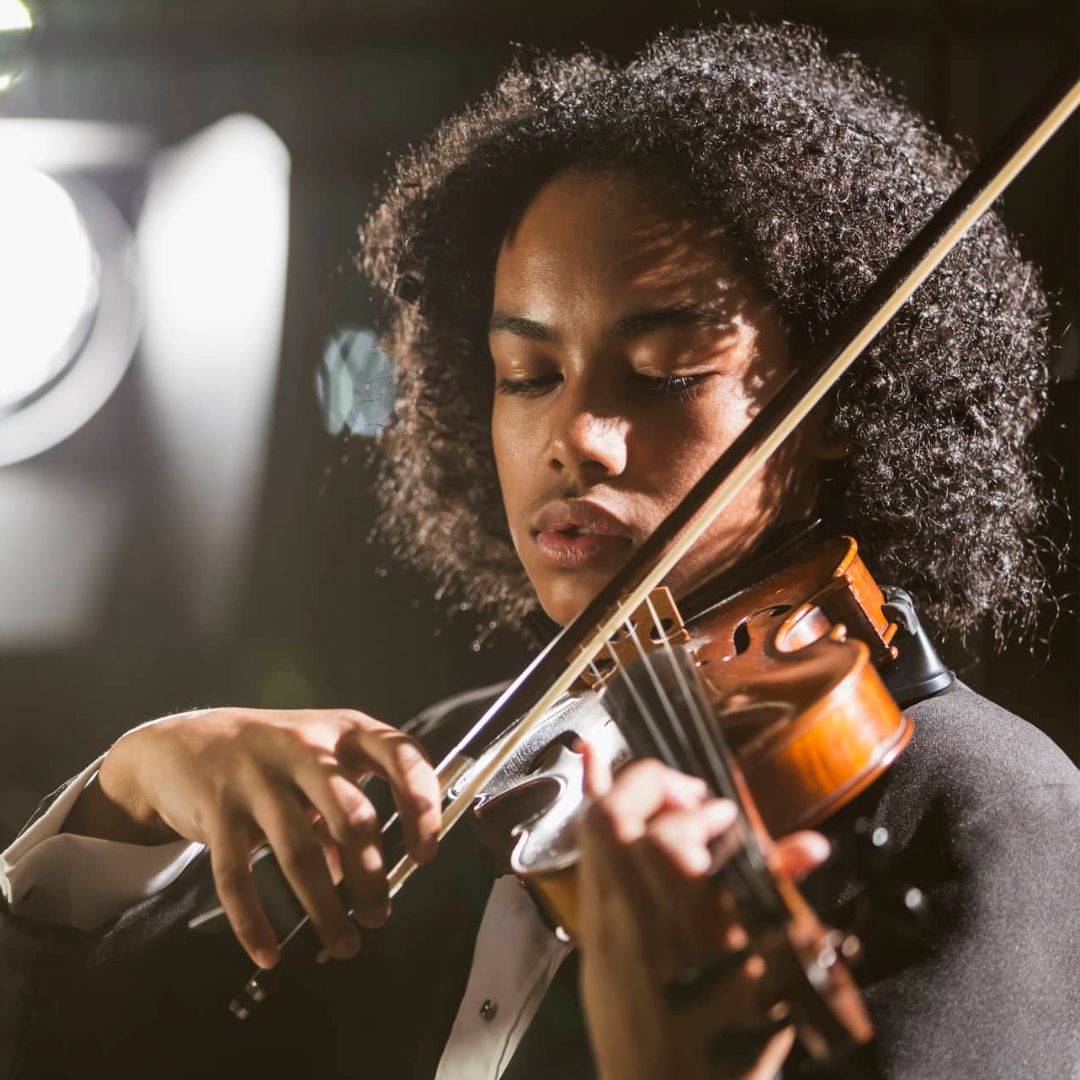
[(509, 441), (680, 447)]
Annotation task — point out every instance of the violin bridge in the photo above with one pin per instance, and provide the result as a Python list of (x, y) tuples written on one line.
[(654, 626)]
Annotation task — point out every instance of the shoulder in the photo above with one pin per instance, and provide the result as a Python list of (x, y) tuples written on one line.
[(983, 811), (969, 746), (982, 808), (984, 786)]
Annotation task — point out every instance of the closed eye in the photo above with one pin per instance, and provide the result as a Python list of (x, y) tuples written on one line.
[(529, 387), (680, 386)]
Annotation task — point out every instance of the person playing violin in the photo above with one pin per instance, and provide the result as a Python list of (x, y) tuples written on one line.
[(589, 283)]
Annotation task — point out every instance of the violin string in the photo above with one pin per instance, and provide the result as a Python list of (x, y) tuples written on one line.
[(597, 674), (674, 728), (715, 753), (662, 750), (676, 928), (708, 763)]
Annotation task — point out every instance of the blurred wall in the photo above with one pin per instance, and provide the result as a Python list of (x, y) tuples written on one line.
[(319, 616)]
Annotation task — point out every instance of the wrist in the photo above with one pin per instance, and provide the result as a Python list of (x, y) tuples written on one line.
[(113, 806)]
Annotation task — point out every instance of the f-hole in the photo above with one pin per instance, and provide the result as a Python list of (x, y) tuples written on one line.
[(741, 637)]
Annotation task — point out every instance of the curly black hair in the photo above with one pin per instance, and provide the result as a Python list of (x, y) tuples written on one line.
[(820, 173)]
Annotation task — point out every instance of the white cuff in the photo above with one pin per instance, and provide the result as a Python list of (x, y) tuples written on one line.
[(81, 881)]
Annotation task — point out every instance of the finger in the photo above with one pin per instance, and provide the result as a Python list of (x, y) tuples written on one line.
[(801, 852), (301, 859), (331, 851), (402, 761), (230, 861), (639, 792), (352, 823), (674, 860), (597, 770), (682, 839)]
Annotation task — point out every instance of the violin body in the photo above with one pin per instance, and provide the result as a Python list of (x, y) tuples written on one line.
[(789, 663), (792, 664)]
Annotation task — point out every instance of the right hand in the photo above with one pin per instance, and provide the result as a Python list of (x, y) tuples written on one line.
[(235, 778)]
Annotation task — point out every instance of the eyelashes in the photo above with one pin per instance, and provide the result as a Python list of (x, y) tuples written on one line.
[(684, 387), (528, 387), (678, 386)]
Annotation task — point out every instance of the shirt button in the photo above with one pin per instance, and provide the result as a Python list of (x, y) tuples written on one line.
[(488, 1009)]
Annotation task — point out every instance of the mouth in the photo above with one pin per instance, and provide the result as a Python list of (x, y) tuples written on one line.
[(574, 534)]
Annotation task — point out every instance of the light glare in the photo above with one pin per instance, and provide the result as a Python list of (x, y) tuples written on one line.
[(214, 240), (15, 15), (48, 281)]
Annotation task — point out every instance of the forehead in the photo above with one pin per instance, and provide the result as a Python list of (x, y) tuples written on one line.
[(613, 237)]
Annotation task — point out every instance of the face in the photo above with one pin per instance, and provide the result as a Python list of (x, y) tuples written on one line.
[(629, 351)]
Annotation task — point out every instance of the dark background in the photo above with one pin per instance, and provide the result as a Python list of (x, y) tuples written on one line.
[(323, 616)]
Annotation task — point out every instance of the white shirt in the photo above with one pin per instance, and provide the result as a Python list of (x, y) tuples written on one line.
[(79, 881)]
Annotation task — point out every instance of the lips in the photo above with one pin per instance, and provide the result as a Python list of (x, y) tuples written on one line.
[(576, 532), (578, 516)]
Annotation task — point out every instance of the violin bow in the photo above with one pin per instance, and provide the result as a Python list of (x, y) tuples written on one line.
[(509, 720)]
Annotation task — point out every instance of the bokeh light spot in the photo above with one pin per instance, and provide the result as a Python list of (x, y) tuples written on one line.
[(355, 384)]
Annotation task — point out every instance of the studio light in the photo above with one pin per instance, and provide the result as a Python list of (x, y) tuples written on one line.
[(69, 312), (16, 23), (15, 16), (49, 283)]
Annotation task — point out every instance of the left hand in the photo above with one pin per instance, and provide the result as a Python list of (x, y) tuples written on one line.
[(649, 909)]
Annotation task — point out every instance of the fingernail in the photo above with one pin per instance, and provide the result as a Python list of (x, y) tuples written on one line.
[(697, 861), (266, 958), (373, 918), (694, 791), (722, 812), (346, 946)]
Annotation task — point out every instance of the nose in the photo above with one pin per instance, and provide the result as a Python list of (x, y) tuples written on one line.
[(587, 441)]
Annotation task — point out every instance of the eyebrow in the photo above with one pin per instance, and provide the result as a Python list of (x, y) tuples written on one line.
[(630, 326), (517, 324)]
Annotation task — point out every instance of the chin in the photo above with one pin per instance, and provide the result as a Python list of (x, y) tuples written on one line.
[(563, 600), (564, 596)]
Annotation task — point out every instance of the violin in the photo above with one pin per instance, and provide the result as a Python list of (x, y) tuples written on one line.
[(790, 667), (744, 693), (767, 695)]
